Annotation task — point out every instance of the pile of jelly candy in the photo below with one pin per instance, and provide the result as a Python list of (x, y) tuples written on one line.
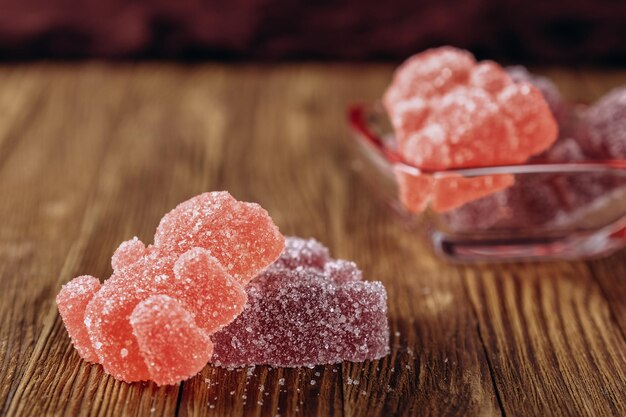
[(159, 316), (449, 111), (596, 132)]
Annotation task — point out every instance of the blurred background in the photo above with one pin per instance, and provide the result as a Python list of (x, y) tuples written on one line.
[(563, 31)]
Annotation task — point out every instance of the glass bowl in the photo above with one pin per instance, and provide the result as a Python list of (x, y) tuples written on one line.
[(552, 210)]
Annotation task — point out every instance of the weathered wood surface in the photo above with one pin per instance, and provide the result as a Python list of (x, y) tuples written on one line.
[(92, 154)]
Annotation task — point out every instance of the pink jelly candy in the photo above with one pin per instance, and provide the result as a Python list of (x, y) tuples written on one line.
[(306, 309), (241, 236), (470, 113), (450, 112), (548, 89), (72, 300), (446, 193), (453, 191), (171, 343), (432, 73), (180, 273), (415, 190)]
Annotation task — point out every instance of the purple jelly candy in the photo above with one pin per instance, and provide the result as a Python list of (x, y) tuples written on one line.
[(307, 309), (303, 252), (602, 132), (563, 151), (530, 202), (481, 214)]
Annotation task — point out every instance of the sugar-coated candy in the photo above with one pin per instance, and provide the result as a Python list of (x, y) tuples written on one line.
[(469, 114), (415, 189), (171, 343), (433, 72), (534, 126), (564, 151), (448, 192), (303, 252), (489, 77), (193, 277), (409, 116), (555, 200), (530, 202), (196, 280), (448, 111), (72, 300), (305, 312), (602, 129), (548, 89), (537, 199), (128, 253), (241, 236), (454, 191)]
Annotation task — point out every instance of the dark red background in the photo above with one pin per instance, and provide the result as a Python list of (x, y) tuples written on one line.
[(577, 31)]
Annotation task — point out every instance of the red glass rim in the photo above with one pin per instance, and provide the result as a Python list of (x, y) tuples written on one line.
[(358, 124)]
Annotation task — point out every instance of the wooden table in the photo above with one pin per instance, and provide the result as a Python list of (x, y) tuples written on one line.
[(92, 154)]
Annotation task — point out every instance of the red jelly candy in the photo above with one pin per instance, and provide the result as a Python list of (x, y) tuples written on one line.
[(452, 192), (408, 117), (535, 128), (172, 345), (603, 127), (203, 285), (446, 193), (72, 302), (110, 332), (196, 280), (128, 253), (488, 76), (415, 190), (241, 236), (431, 73)]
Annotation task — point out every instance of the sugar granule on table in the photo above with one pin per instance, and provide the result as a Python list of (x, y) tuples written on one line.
[(307, 309)]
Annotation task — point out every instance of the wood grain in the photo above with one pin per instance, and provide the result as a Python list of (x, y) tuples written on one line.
[(92, 154)]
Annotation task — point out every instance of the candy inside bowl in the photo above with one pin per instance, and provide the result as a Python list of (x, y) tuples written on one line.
[(542, 209)]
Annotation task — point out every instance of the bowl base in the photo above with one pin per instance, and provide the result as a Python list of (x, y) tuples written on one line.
[(573, 246)]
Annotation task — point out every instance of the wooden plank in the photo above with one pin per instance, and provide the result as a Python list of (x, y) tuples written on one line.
[(55, 381), (38, 227), (550, 341), (610, 273)]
